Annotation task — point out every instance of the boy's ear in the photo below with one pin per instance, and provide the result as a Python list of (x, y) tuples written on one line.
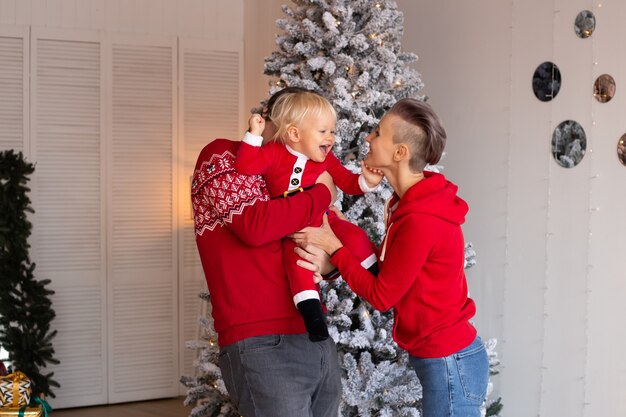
[(293, 134)]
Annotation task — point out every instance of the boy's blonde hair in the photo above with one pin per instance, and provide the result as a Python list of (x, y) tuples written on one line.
[(292, 108)]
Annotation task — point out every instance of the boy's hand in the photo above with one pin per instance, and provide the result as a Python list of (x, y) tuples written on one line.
[(372, 176), (257, 124)]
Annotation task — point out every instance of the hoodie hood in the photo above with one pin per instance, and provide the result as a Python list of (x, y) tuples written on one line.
[(434, 195)]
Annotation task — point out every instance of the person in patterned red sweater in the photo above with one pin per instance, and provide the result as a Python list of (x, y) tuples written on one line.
[(268, 364), (299, 153), (421, 263)]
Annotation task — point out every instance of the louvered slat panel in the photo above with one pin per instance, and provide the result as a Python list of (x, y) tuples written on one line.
[(67, 143), (143, 354), (142, 157), (12, 93), (143, 275), (79, 344), (67, 228), (210, 108), (211, 97)]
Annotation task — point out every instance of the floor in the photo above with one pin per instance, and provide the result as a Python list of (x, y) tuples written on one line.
[(171, 407)]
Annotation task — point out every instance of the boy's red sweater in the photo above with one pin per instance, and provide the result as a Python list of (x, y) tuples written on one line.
[(238, 233)]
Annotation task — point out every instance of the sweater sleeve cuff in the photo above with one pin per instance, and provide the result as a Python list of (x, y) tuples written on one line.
[(364, 187), (252, 140)]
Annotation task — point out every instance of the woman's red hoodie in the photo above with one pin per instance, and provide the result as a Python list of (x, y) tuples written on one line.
[(421, 270)]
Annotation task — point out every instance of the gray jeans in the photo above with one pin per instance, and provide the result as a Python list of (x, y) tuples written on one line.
[(282, 376)]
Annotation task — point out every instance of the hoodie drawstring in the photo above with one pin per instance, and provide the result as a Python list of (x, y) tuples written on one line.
[(384, 248), (387, 218)]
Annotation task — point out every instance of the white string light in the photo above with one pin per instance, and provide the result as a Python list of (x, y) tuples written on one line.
[(593, 177), (507, 253), (549, 234)]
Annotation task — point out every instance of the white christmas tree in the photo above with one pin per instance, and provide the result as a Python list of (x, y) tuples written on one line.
[(349, 51), (206, 391)]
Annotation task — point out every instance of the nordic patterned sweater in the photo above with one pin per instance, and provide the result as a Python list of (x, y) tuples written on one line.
[(238, 233)]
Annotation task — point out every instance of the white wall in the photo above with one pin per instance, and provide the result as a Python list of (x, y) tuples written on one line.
[(260, 32), (550, 278), (208, 19)]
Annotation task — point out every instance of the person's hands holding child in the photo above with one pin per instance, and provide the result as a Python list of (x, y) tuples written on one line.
[(322, 237), (315, 260)]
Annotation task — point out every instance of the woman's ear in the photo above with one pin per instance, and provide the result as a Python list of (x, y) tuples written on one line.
[(293, 134), (401, 152)]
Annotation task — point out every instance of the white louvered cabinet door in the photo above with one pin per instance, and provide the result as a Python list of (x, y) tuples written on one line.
[(113, 228), (210, 97), (13, 88), (142, 279), (68, 245)]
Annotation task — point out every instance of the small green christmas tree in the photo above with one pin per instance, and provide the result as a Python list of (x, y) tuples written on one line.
[(25, 307)]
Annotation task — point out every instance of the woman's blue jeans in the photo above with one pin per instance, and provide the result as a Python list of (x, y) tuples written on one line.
[(455, 385)]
